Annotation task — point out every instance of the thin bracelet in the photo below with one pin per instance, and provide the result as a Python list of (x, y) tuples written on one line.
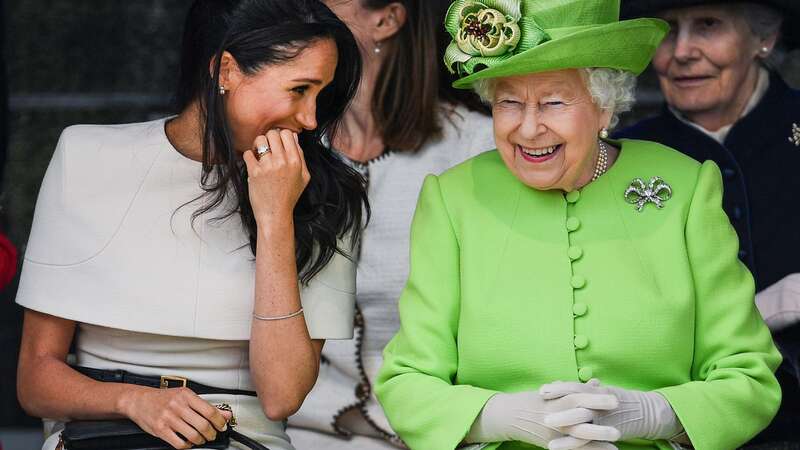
[(288, 316)]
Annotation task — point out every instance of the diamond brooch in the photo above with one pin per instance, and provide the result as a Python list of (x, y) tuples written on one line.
[(657, 191), (795, 137)]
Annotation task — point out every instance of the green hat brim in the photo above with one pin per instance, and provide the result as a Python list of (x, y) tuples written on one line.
[(625, 45)]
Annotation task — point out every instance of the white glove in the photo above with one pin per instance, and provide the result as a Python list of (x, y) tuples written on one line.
[(645, 415), (520, 417), (779, 304)]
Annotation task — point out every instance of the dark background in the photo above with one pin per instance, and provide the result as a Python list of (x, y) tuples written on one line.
[(96, 61), (68, 62)]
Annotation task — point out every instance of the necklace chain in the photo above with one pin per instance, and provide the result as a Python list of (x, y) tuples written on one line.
[(602, 161)]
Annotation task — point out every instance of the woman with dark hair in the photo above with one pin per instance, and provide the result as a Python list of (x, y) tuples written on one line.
[(406, 121), (144, 238)]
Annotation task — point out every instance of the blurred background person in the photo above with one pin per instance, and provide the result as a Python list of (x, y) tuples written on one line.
[(726, 102), (406, 121)]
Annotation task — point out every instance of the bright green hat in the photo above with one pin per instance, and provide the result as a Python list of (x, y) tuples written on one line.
[(500, 38)]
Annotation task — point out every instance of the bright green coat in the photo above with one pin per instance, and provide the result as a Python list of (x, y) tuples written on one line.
[(511, 288)]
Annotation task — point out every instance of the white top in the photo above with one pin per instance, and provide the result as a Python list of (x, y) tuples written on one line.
[(113, 244), (213, 362), (394, 184)]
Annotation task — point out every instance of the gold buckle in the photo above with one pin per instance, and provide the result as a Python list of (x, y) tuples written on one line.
[(227, 407), (165, 379)]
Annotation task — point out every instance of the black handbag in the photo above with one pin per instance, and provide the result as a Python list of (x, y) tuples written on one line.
[(124, 434), (121, 434)]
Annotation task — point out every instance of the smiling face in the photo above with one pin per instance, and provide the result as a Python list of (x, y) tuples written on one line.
[(707, 64), (546, 128), (277, 96)]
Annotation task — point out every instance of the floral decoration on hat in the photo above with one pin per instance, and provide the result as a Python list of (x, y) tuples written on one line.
[(487, 31)]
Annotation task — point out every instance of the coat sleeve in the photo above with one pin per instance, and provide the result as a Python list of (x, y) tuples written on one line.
[(416, 383), (734, 393)]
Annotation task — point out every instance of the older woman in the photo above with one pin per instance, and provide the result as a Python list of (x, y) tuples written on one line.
[(564, 258), (726, 104)]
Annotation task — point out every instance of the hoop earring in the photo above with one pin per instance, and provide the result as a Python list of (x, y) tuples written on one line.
[(603, 133)]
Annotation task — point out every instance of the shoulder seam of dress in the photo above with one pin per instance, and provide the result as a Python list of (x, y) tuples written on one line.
[(116, 231)]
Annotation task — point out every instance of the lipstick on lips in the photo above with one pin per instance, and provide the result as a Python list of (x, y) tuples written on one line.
[(539, 155)]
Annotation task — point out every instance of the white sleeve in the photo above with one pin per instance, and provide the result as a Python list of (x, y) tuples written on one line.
[(329, 298), (88, 186), (779, 304)]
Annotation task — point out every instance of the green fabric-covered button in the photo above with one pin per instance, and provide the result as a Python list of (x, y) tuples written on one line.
[(573, 223), (579, 309), (581, 341), (578, 281), (573, 196), (585, 374), (575, 253)]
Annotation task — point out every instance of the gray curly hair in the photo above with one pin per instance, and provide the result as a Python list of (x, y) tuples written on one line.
[(611, 89)]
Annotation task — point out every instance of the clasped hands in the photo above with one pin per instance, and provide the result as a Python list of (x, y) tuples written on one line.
[(570, 415)]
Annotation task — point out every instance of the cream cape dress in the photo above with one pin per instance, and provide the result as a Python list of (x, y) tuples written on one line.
[(113, 247)]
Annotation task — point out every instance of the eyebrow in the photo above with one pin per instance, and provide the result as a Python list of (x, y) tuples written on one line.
[(553, 91), (547, 89), (308, 80)]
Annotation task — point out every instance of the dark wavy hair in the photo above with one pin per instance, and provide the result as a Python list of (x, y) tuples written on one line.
[(260, 33)]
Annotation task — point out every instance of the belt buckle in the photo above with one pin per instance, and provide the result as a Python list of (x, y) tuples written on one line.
[(165, 379)]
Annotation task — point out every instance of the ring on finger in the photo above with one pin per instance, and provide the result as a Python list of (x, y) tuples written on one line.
[(262, 150)]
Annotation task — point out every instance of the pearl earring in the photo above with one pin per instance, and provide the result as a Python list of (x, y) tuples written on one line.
[(221, 90), (377, 48), (603, 133)]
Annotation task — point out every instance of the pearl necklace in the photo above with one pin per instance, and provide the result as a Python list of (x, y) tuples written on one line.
[(602, 161)]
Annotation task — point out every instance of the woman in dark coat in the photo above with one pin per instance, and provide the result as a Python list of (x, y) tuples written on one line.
[(724, 102)]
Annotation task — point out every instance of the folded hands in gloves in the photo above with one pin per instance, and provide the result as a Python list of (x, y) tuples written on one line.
[(570, 415)]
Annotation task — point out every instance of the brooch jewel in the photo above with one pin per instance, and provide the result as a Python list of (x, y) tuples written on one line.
[(795, 138), (655, 192)]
